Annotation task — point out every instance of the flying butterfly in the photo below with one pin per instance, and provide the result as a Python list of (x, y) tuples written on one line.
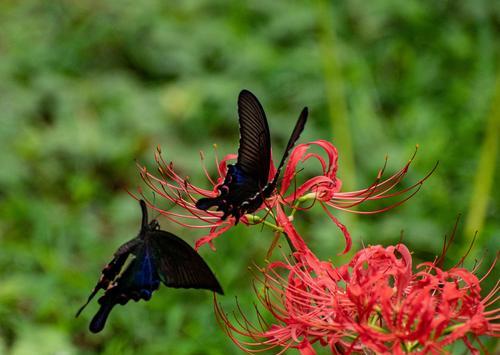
[(247, 184), (156, 255)]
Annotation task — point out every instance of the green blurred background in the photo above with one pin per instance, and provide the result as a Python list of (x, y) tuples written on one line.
[(87, 87)]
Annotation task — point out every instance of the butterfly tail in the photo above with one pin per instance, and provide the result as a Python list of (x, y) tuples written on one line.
[(94, 292), (99, 321)]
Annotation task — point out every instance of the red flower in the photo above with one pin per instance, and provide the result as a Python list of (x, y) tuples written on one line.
[(323, 188), (179, 191), (326, 187), (375, 303)]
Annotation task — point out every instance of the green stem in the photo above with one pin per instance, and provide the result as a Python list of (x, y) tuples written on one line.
[(295, 207), (485, 170), (256, 219), (451, 328), (378, 329), (334, 86)]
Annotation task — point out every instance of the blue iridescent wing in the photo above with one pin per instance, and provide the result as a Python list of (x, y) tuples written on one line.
[(153, 256), (178, 264), (137, 282)]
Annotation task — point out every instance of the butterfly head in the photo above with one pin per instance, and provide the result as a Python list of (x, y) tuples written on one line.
[(153, 225), (145, 225)]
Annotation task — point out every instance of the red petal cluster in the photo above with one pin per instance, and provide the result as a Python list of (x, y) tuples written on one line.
[(375, 303)]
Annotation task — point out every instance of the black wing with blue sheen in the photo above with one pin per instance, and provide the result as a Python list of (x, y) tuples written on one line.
[(137, 282), (112, 269)]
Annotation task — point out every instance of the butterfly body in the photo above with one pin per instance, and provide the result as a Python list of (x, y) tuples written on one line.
[(154, 256), (246, 185)]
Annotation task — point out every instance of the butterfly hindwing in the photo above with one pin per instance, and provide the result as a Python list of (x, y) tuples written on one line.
[(112, 269), (297, 130), (138, 281), (99, 320), (178, 264)]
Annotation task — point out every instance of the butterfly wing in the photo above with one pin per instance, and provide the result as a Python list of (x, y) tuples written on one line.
[(137, 282), (254, 153), (112, 269), (299, 127), (178, 264), (99, 320), (251, 172)]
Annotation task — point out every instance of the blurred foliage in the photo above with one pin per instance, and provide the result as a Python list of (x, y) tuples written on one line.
[(88, 86)]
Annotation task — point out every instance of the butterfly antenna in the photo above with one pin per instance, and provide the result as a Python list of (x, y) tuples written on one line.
[(295, 185), (291, 205), (158, 214), (295, 194), (269, 210)]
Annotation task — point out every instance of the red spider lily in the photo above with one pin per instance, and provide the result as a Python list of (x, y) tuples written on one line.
[(326, 187), (178, 190), (323, 188), (375, 303)]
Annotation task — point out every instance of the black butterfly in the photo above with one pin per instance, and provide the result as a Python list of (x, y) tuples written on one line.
[(247, 184), (157, 256)]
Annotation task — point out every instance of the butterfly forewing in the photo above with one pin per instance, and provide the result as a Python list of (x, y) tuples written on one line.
[(178, 264), (299, 127), (254, 153)]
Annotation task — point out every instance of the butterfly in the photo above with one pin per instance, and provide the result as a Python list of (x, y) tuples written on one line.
[(247, 184), (156, 255)]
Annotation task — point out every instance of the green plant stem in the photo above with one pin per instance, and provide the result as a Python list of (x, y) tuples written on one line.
[(339, 120), (485, 171), (256, 219)]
